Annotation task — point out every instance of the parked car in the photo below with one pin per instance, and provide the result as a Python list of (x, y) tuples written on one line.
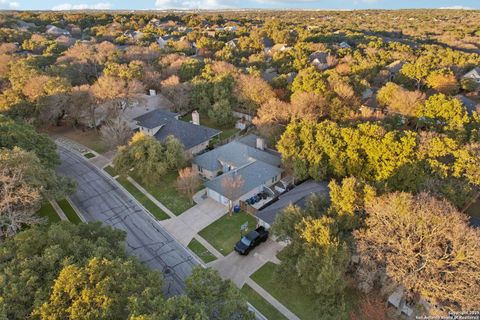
[(251, 240)]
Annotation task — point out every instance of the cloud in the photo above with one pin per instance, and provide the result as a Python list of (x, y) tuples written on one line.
[(456, 8), (194, 4), (6, 4), (83, 6)]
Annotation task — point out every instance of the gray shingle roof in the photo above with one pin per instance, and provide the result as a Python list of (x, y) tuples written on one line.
[(155, 118), (254, 174), (235, 153), (469, 104), (189, 134), (297, 196)]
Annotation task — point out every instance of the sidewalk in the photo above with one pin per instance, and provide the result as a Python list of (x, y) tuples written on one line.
[(152, 198), (59, 210), (186, 226), (274, 302)]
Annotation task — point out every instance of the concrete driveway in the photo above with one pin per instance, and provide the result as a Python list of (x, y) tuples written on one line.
[(239, 268), (189, 223)]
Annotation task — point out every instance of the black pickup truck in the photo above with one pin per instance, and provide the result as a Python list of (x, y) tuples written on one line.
[(251, 240)]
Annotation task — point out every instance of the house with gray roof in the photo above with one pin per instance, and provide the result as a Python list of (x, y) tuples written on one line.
[(258, 167), (469, 104), (298, 196), (473, 74), (56, 31), (161, 123)]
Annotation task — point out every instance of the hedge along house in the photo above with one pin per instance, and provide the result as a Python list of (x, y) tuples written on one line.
[(247, 157), (161, 124)]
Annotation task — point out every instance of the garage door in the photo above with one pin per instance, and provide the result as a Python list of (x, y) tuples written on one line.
[(214, 195)]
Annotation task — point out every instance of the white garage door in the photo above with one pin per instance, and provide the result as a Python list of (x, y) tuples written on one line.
[(214, 195)]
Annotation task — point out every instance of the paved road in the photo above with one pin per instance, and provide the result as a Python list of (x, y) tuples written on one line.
[(100, 199)]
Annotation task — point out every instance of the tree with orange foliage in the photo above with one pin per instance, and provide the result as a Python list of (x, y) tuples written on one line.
[(188, 182)]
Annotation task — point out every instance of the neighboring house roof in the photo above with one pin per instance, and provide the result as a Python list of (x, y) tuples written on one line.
[(475, 222), (344, 45), (254, 174), (236, 154), (297, 196), (468, 103), (320, 56), (473, 74), (279, 47), (395, 66), (155, 118), (56, 30), (25, 25), (189, 134), (269, 74), (267, 42)]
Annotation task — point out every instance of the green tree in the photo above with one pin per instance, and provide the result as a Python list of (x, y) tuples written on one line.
[(309, 80), (102, 289), (348, 201), (221, 113), (18, 134), (444, 112), (316, 257), (149, 158), (33, 259), (190, 69), (220, 298)]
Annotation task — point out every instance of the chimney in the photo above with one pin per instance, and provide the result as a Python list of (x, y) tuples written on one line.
[(260, 143), (196, 118)]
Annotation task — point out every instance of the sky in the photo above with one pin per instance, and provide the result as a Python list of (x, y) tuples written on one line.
[(223, 4)]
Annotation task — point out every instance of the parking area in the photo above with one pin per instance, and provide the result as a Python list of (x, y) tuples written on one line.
[(239, 268), (189, 223)]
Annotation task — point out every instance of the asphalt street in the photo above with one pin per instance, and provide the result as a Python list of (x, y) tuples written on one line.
[(101, 199)]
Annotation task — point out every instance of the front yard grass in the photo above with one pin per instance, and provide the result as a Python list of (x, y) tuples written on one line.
[(147, 203), (89, 138), (89, 155), (261, 304), (202, 252), (69, 211), (111, 171), (225, 232), (166, 192), (47, 211), (292, 296)]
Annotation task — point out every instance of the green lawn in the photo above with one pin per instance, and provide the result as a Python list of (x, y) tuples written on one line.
[(47, 211), (166, 192), (225, 232), (147, 203), (293, 296), (90, 138), (261, 304), (111, 171), (89, 155), (205, 120), (69, 211), (201, 251)]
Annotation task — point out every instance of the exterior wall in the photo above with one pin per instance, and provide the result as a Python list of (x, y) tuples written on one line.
[(209, 175), (217, 197), (240, 115), (198, 148)]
